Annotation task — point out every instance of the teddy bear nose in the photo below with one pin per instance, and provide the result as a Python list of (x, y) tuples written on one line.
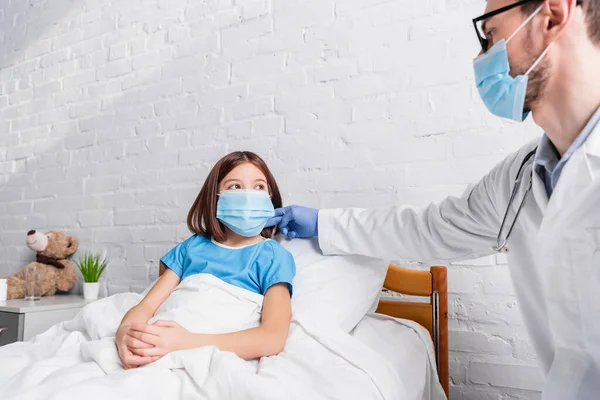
[(31, 232)]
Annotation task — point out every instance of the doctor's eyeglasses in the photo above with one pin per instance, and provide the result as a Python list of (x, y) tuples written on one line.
[(478, 23)]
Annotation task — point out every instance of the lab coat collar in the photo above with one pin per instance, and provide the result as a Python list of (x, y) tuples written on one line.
[(542, 159), (591, 146), (539, 191), (576, 176)]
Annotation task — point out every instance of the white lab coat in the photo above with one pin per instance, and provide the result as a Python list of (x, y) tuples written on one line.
[(554, 254)]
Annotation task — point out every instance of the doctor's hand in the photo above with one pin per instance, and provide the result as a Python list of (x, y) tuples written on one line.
[(296, 221), (158, 339)]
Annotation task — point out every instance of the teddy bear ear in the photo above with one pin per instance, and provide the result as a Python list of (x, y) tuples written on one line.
[(73, 244)]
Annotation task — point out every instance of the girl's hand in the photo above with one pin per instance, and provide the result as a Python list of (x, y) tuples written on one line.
[(129, 359), (158, 339)]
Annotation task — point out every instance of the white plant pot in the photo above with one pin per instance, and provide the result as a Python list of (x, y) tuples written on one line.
[(90, 290)]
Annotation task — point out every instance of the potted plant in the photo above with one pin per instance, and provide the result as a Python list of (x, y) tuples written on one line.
[(91, 267)]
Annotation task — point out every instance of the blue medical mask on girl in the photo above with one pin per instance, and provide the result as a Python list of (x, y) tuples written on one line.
[(245, 212), (502, 94)]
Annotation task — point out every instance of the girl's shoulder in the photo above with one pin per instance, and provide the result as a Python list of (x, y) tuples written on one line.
[(277, 250), (273, 244), (195, 240)]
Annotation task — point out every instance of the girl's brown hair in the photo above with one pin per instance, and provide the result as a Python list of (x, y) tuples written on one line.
[(202, 217)]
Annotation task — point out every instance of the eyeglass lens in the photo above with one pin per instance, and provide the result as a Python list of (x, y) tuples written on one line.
[(482, 38)]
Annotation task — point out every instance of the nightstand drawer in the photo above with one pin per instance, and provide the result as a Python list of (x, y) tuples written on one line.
[(23, 319), (11, 327), (39, 322)]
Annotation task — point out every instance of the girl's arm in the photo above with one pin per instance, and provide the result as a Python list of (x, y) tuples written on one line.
[(155, 297), (266, 340), (142, 313)]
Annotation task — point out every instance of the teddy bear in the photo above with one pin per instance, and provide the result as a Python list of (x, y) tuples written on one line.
[(58, 273)]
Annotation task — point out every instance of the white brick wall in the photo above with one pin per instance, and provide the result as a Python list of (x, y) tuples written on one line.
[(112, 113)]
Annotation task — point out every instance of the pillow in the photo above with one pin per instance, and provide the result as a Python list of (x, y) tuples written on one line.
[(337, 290)]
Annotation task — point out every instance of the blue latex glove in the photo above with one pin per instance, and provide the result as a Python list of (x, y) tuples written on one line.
[(296, 221)]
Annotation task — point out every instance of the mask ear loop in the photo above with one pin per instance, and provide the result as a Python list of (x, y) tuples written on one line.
[(540, 58), (524, 23)]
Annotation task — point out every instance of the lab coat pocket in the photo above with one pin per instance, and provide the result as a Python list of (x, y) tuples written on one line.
[(572, 284), (573, 292), (587, 271), (573, 375)]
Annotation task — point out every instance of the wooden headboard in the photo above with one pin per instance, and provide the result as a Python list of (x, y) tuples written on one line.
[(432, 315)]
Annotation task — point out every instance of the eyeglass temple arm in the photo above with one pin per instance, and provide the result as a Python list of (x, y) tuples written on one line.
[(501, 10), (508, 7)]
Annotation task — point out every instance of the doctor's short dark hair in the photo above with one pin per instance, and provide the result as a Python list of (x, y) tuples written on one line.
[(591, 9), (202, 217)]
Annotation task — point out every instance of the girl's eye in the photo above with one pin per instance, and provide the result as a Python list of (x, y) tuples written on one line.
[(259, 187), (234, 186)]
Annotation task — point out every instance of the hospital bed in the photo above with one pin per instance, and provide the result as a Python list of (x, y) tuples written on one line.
[(338, 346), (431, 313)]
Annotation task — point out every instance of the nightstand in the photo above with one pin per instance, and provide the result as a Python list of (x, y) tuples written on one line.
[(22, 320)]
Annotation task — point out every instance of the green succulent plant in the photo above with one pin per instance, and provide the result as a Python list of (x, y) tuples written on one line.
[(91, 267)]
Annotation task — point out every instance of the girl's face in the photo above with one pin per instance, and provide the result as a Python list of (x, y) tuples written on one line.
[(245, 176)]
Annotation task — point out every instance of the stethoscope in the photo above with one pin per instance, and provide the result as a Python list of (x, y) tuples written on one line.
[(501, 243)]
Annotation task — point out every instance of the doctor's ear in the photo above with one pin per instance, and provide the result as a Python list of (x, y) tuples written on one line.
[(558, 15)]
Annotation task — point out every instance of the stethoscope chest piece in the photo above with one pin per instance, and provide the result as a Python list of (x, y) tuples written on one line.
[(502, 249)]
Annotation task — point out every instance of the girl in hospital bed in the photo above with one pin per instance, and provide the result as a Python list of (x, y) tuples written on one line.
[(229, 243)]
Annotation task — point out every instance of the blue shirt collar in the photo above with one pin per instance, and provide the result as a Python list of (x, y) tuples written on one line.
[(546, 156), (548, 162)]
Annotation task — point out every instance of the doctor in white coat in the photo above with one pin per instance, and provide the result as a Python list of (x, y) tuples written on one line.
[(541, 205)]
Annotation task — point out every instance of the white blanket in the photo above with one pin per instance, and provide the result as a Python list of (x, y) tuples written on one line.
[(78, 359)]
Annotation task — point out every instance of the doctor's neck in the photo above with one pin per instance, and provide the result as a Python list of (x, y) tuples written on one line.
[(572, 93)]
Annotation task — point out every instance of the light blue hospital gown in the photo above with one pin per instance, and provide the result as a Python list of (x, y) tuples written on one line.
[(255, 267)]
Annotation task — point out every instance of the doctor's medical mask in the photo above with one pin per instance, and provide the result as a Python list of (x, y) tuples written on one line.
[(503, 94)]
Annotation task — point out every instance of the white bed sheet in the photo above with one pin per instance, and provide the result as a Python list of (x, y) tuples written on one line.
[(403, 344), (318, 362), (383, 359)]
